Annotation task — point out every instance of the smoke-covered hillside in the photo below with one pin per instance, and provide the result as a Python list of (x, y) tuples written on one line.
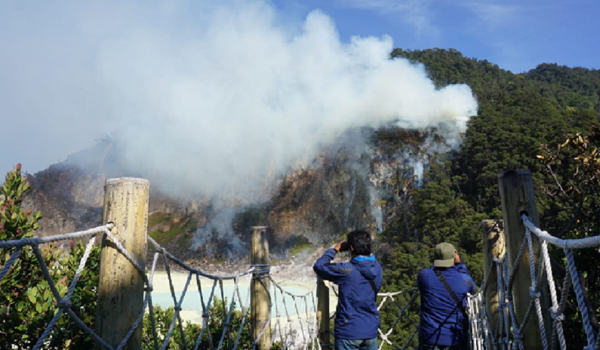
[(362, 180)]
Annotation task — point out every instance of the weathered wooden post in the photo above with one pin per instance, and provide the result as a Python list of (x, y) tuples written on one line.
[(323, 315), (493, 247), (517, 194), (261, 305), (121, 286)]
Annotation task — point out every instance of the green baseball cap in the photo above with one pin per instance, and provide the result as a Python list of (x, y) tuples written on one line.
[(444, 255)]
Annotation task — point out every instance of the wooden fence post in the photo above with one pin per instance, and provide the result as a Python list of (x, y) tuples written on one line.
[(517, 194), (260, 308), (493, 247), (323, 314), (121, 286)]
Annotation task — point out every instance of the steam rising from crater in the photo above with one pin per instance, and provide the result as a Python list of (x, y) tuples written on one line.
[(217, 97)]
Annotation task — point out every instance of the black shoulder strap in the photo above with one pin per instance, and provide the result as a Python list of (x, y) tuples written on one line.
[(452, 294)]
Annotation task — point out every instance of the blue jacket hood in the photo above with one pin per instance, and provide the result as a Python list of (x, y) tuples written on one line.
[(367, 266)]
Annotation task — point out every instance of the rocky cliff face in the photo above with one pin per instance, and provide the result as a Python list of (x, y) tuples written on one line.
[(348, 186)]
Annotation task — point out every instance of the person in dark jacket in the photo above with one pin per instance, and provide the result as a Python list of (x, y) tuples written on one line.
[(443, 323), (359, 281)]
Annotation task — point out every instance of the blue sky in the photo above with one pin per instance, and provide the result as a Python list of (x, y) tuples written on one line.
[(516, 35), (204, 75)]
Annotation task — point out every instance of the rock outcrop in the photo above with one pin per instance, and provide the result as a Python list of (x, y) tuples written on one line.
[(348, 186)]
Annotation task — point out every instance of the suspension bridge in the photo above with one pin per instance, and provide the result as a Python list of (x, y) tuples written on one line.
[(500, 316)]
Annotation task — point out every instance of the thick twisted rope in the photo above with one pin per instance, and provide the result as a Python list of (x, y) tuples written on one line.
[(13, 257), (534, 291), (567, 246), (545, 271), (589, 331), (35, 241), (62, 303)]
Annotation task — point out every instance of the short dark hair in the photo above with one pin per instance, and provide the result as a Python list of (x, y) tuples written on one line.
[(361, 241)]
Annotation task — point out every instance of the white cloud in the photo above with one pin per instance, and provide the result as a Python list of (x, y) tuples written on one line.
[(212, 97)]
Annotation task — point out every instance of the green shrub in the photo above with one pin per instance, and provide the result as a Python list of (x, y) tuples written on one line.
[(27, 303)]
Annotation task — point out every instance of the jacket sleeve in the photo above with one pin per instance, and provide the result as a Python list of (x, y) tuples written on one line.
[(462, 268), (327, 271)]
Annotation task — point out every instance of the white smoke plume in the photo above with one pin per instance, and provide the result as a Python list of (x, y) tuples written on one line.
[(212, 96)]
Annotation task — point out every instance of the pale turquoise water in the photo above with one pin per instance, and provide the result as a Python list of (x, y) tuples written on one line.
[(192, 299)]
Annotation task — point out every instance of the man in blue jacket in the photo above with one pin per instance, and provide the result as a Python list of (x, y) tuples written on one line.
[(359, 281), (443, 288)]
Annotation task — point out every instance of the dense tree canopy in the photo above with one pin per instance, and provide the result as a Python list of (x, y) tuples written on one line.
[(520, 117)]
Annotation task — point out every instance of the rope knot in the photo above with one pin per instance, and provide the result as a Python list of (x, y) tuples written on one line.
[(64, 304), (261, 269), (177, 307), (518, 335), (555, 315), (533, 292), (149, 288)]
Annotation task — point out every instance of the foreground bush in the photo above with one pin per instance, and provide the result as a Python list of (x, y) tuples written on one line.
[(26, 301)]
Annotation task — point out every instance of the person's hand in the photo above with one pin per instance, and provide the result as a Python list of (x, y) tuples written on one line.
[(456, 258), (341, 246)]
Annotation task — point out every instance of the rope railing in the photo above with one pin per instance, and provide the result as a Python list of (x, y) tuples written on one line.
[(306, 337), (295, 326), (481, 333), (567, 246), (299, 331), (62, 303), (394, 299)]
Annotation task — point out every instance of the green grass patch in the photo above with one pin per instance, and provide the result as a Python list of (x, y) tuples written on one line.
[(181, 233), (297, 249), (158, 218)]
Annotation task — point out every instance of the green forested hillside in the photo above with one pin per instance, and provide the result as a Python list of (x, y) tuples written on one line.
[(518, 113)]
